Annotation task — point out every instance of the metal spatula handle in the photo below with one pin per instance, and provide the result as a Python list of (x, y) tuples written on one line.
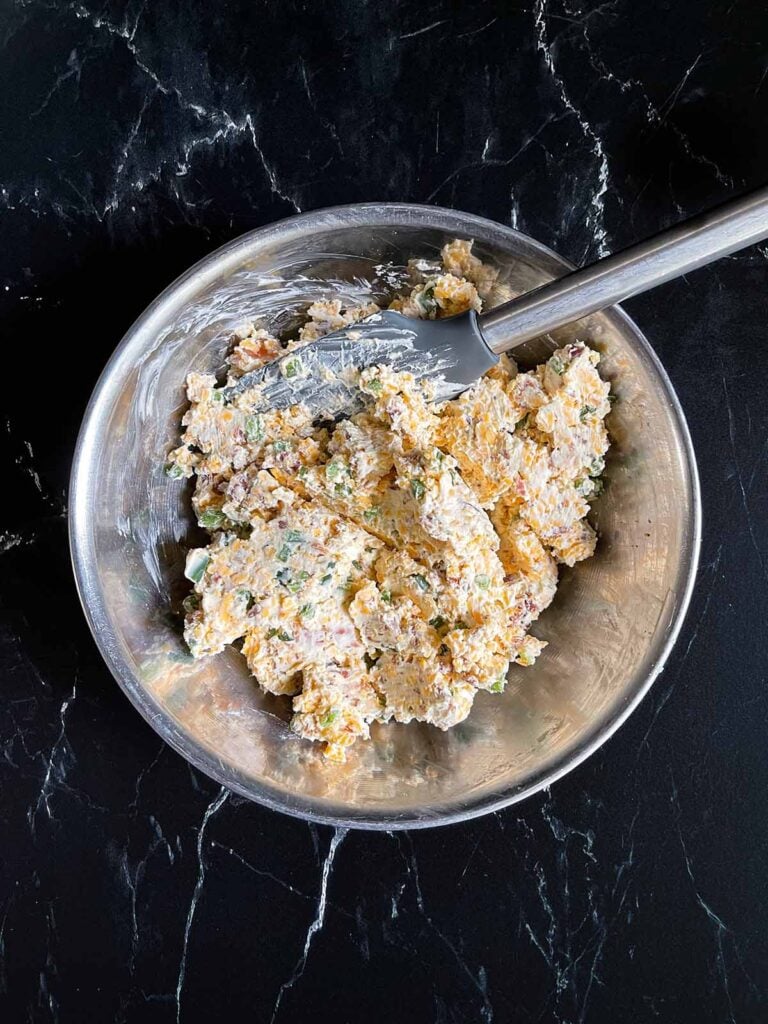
[(667, 255)]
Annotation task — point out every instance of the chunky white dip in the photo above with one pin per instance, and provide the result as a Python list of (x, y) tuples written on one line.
[(390, 567)]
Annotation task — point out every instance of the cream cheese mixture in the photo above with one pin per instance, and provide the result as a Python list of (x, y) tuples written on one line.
[(390, 566)]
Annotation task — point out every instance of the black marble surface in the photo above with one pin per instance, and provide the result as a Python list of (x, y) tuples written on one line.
[(137, 137)]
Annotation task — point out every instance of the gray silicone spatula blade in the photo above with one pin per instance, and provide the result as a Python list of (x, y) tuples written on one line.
[(323, 374)]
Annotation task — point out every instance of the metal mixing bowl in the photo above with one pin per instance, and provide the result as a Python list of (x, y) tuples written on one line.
[(610, 628)]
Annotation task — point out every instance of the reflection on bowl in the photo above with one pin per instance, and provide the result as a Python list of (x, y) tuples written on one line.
[(610, 629)]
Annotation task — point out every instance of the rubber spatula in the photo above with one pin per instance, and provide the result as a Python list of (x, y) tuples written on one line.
[(456, 351)]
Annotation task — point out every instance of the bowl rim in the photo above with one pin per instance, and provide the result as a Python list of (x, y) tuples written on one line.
[(82, 550)]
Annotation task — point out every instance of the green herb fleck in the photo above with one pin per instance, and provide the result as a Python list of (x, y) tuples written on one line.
[(420, 581), (438, 622), (325, 579), (376, 386), (598, 486), (247, 598), (280, 634), (254, 428), (357, 565), (281, 446), (284, 553), (597, 466), (295, 537), (329, 718), (217, 395), (372, 514), (483, 581), (303, 470), (586, 410), (418, 490), (333, 468), (499, 684), (342, 489), (174, 471), (307, 611), (386, 596), (557, 365)]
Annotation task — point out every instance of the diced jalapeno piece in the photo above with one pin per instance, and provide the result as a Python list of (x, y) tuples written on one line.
[(197, 563), (426, 300), (556, 363), (291, 367), (418, 490), (254, 428), (212, 518)]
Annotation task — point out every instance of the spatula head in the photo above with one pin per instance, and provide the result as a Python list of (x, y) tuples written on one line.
[(323, 375)]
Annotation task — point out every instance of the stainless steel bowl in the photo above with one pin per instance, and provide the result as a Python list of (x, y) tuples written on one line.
[(610, 629)]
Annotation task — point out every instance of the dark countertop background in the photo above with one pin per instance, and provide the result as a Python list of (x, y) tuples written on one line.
[(136, 137)]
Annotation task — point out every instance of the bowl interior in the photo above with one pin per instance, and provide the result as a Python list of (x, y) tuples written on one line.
[(609, 629)]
